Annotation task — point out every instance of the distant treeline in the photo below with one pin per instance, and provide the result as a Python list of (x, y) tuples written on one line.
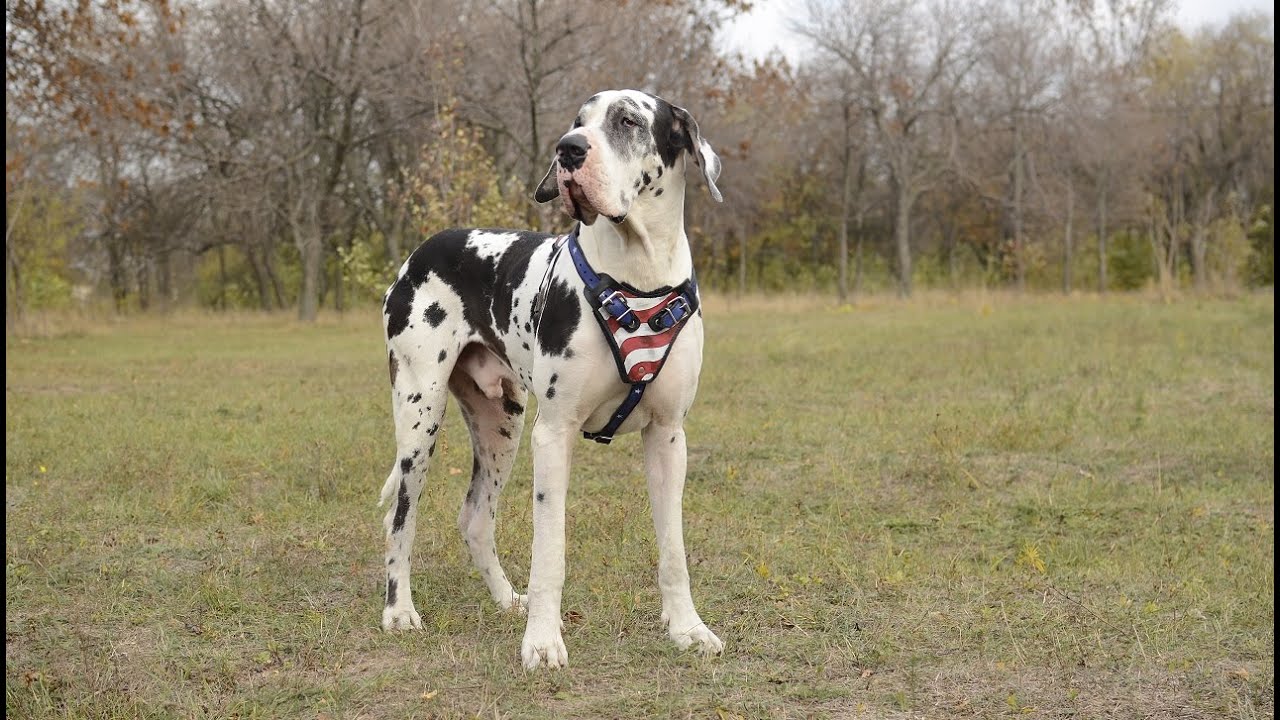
[(281, 154)]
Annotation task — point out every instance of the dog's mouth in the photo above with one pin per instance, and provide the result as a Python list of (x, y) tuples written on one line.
[(576, 202)]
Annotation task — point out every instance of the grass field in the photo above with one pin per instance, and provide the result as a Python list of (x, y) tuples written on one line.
[(985, 507)]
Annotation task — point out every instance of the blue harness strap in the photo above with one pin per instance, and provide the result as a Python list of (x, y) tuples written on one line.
[(605, 435), (604, 293)]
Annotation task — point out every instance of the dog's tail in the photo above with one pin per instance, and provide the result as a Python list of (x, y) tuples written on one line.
[(388, 489)]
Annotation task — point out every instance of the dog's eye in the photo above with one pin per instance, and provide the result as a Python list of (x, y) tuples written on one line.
[(628, 122)]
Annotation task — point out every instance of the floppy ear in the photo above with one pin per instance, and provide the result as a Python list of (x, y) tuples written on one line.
[(548, 189), (703, 156)]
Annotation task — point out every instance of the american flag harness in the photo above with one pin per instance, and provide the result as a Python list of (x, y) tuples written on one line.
[(640, 327)]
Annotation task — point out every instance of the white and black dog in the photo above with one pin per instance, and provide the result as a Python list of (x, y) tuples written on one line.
[(491, 315)]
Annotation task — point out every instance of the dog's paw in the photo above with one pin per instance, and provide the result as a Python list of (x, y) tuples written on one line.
[(515, 602), (697, 636), (401, 618), (543, 647)]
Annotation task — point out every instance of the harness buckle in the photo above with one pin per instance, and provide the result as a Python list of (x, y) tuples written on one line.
[(658, 323), (615, 303)]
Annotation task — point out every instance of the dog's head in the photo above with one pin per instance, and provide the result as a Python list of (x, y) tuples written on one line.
[(625, 146)]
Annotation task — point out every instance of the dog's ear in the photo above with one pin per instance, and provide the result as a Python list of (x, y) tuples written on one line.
[(548, 189), (703, 156)]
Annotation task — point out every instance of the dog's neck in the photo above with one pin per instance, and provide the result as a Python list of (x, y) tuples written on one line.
[(647, 250)]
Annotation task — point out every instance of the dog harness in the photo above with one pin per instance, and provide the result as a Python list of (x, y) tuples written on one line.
[(640, 328)]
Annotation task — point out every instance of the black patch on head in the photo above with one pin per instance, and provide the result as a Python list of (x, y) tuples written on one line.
[(443, 354), (393, 366), (434, 315), (541, 497), (551, 392), (623, 139), (511, 407), (670, 139), (559, 320), (391, 592), (406, 464), (402, 508)]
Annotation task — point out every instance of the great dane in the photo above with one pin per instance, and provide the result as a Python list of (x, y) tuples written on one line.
[(492, 315)]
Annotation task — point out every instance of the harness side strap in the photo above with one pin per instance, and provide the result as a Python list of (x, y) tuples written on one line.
[(605, 436)]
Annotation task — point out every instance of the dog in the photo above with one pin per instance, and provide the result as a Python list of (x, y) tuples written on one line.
[(492, 315)]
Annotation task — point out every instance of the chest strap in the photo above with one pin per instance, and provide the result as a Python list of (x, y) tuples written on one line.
[(605, 294)]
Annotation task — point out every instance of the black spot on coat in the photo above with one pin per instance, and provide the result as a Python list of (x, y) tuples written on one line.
[(476, 280), (393, 366), (402, 508), (510, 272), (434, 315), (559, 319), (391, 591), (443, 354)]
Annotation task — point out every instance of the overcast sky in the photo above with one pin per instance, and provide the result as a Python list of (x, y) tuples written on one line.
[(765, 27)]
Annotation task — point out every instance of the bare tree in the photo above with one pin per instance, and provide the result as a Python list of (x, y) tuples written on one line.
[(906, 61)]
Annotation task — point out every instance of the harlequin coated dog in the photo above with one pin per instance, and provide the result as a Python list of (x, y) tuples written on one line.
[(492, 315)]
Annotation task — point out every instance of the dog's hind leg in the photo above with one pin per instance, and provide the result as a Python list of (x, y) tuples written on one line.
[(493, 405), (419, 404)]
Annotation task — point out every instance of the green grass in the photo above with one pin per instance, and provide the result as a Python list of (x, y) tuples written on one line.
[(1043, 508)]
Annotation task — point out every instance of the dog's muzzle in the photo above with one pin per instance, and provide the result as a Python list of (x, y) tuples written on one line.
[(571, 151)]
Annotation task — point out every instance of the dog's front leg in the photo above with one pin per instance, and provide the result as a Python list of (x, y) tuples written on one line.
[(665, 461), (552, 452)]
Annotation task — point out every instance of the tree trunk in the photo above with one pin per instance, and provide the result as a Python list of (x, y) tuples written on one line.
[(902, 239), (311, 251), (846, 172), (12, 281), (1200, 244), (953, 260), (119, 283), (857, 257), (259, 277), (222, 277), (1102, 239), (1066, 240), (1019, 254), (742, 257), (1163, 254)]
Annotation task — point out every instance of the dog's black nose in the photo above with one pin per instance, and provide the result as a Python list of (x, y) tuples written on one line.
[(572, 150)]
